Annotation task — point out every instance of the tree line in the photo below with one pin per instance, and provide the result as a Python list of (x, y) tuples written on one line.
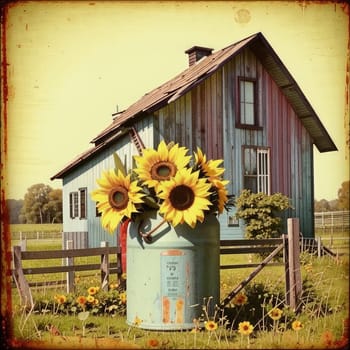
[(41, 205), (341, 203)]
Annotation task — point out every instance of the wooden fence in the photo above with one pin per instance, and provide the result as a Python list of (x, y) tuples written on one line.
[(106, 267), (329, 221), (288, 245)]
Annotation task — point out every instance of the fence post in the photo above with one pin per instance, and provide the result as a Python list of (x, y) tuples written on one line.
[(319, 246), (294, 275), (286, 266), (21, 282), (104, 267), (24, 244), (70, 262)]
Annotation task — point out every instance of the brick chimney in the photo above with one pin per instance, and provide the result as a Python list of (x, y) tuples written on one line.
[(195, 53)]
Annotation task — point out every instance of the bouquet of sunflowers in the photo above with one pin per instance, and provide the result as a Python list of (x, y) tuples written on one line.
[(182, 188)]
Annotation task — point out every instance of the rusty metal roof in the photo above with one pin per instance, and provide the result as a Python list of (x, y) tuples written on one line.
[(195, 74), (175, 87)]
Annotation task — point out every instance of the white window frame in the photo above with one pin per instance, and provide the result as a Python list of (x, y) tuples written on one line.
[(261, 172)]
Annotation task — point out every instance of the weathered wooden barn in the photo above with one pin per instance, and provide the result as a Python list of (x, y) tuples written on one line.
[(240, 104)]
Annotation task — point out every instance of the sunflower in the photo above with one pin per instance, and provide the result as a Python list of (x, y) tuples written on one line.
[(137, 321), (185, 198), (209, 168), (152, 343), (275, 313), (155, 166), (81, 300), (122, 297), (245, 328), (240, 299), (213, 172), (61, 299), (90, 299), (211, 326), (92, 290), (220, 194), (297, 325), (116, 198)]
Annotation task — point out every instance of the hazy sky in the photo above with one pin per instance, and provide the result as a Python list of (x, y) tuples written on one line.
[(72, 63)]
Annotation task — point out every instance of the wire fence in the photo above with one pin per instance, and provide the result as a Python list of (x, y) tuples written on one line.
[(325, 223), (23, 235), (330, 221)]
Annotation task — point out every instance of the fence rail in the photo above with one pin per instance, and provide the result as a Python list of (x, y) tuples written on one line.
[(68, 255), (332, 220), (290, 245), (23, 235)]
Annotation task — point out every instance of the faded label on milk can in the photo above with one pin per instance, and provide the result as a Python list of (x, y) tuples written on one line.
[(174, 285)]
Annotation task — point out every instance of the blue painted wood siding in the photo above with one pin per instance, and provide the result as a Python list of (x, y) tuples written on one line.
[(86, 175)]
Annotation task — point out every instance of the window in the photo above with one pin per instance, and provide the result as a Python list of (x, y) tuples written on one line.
[(77, 204), (247, 102), (73, 205), (256, 162), (82, 195)]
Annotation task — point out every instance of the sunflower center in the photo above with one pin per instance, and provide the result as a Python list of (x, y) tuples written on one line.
[(163, 171), (181, 197), (118, 197)]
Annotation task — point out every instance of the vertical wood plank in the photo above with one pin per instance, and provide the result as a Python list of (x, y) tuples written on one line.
[(70, 262), (22, 284), (105, 267), (294, 262)]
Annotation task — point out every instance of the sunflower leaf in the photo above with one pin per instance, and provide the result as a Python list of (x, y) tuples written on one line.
[(119, 164), (150, 201)]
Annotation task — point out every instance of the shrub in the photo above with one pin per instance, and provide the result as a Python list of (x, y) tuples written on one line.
[(260, 213)]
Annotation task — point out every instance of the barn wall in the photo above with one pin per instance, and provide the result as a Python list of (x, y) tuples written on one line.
[(205, 117), (173, 123)]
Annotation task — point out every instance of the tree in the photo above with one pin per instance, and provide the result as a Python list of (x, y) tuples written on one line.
[(42, 204), (54, 206), (343, 196), (14, 207), (322, 205)]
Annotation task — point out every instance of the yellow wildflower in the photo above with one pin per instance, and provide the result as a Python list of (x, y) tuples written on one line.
[(211, 326), (275, 313), (245, 328)]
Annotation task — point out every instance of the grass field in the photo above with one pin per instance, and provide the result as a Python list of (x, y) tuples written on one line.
[(325, 307)]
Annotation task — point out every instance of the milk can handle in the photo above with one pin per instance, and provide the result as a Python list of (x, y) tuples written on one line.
[(148, 236)]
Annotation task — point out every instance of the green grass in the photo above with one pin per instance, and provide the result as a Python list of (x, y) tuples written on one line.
[(328, 277), (15, 228), (337, 241), (35, 231), (324, 308)]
